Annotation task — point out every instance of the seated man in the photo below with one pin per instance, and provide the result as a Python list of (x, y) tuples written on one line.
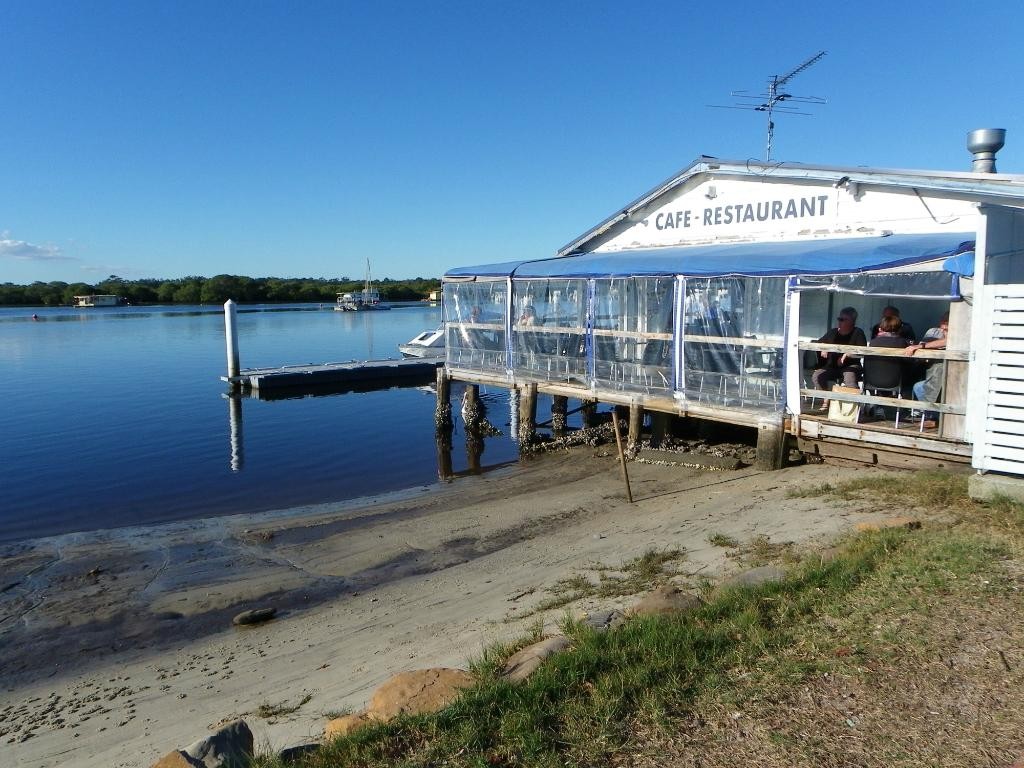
[(838, 366), (930, 387), (906, 331)]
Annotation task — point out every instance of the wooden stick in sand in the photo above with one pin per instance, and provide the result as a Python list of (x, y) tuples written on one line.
[(622, 456)]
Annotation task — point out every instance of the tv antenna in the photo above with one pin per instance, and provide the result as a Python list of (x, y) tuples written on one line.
[(776, 99)]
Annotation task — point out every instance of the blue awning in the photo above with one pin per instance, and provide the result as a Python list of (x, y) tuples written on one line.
[(806, 257)]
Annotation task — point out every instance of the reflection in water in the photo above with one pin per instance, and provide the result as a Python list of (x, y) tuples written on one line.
[(443, 438), (235, 425)]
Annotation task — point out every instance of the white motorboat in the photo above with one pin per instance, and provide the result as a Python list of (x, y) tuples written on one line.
[(427, 344)]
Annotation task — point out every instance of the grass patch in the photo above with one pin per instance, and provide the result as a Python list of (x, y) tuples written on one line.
[(932, 489), (632, 577), (723, 540)]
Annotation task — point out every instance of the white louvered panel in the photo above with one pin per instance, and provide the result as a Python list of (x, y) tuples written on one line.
[(1001, 438), (1009, 385), (1004, 426), (997, 373), (1005, 304), (1004, 331), (999, 444), (1003, 452), (1011, 399), (1006, 358), (1007, 344)]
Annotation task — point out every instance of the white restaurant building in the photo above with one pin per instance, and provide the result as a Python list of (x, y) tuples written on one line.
[(704, 296)]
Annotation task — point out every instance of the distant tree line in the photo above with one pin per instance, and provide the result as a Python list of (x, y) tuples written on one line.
[(212, 290)]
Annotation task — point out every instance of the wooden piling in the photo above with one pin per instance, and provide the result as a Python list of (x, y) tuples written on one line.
[(527, 414), (588, 411), (443, 411), (659, 428), (771, 444), (231, 342), (559, 411), (636, 422), (471, 408)]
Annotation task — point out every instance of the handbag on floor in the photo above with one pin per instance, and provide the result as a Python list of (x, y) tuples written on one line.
[(841, 410)]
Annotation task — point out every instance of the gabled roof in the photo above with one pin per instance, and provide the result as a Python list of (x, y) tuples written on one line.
[(995, 188)]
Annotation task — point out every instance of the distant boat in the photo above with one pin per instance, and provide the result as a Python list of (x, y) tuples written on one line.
[(360, 301), (99, 300), (427, 344)]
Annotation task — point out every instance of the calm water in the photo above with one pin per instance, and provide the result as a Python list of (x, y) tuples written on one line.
[(112, 417)]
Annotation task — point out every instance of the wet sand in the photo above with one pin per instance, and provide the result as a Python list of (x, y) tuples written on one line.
[(117, 646)]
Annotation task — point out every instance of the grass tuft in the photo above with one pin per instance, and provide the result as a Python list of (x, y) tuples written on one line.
[(723, 540)]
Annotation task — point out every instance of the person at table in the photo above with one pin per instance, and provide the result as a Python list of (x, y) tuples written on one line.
[(906, 330), (929, 389), (890, 333), (840, 366)]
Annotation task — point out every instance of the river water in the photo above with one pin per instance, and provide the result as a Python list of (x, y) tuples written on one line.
[(113, 417)]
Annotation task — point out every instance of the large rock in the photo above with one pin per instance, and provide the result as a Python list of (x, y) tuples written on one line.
[(418, 692), (344, 725), (666, 599), (522, 664), (755, 577), (295, 754), (230, 747), (175, 759)]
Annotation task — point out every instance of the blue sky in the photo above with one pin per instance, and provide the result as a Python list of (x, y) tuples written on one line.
[(163, 139)]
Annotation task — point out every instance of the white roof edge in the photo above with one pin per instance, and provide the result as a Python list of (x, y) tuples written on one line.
[(992, 187)]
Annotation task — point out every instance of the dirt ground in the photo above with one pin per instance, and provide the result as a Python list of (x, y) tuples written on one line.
[(117, 646)]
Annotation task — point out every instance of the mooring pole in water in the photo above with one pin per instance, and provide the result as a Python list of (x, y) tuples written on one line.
[(622, 456), (527, 414), (231, 339), (771, 443)]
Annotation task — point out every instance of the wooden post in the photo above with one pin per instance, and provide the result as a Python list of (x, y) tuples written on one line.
[(954, 389), (771, 443), (559, 409), (471, 410), (231, 339), (527, 415), (636, 422), (659, 428), (588, 410), (443, 411), (622, 456)]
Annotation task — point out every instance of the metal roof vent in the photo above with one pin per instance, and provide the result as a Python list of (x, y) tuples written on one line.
[(983, 144)]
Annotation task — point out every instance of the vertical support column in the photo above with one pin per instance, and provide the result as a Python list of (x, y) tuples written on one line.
[(636, 422), (954, 389), (231, 340), (443, 425), (771, 443), (659, 428), (471, 411), (559, 409), (588, 413), (527, 415), (443, 411)]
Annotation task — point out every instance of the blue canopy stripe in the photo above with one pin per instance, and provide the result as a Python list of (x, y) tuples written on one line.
[(806, 257)]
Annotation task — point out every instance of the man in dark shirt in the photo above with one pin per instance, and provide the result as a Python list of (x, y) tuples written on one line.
[(906, 330), (836, 366)]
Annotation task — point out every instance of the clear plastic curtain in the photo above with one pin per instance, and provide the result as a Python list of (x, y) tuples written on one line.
[(474, 314), (732, 343), (549, 325), (632, 333)]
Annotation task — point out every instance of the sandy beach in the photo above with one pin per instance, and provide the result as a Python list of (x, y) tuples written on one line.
[(117, 646)]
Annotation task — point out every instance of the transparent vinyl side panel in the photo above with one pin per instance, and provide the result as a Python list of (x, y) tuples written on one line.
[(632, 333), (733, 341), (549, 329), (474, 316)]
